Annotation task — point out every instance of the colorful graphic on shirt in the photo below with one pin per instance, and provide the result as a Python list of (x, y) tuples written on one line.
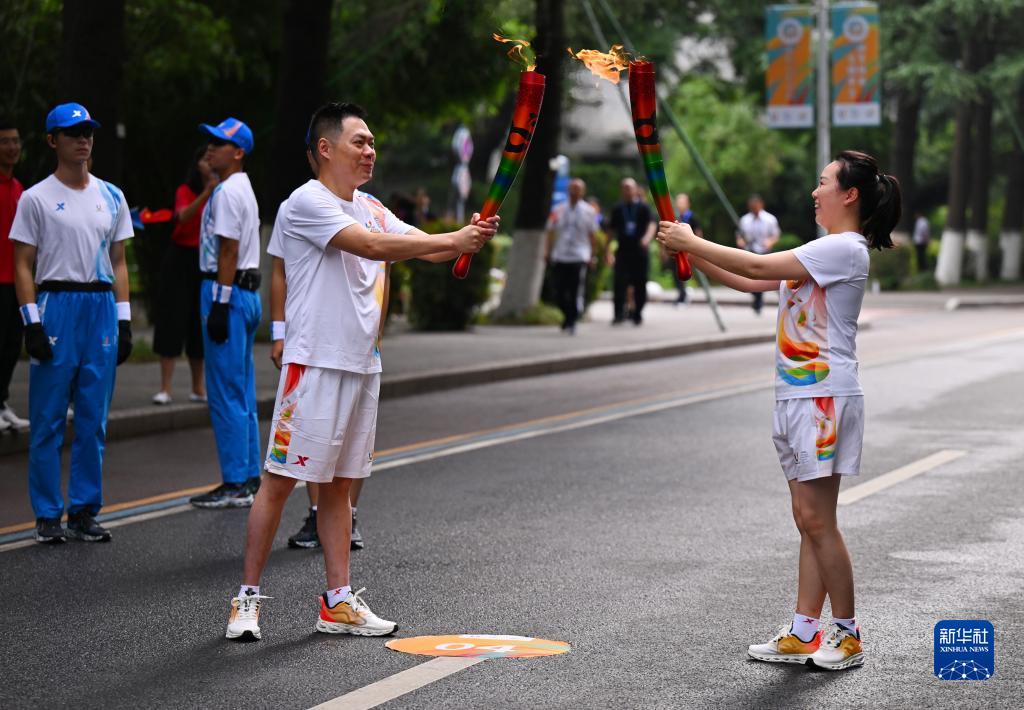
[(209, 244), (378, 218), (825, 424), (112, 197), (803, 334), (289, 400)]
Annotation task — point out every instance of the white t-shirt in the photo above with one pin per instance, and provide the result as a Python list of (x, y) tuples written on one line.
[(573, 225), (72, 230), (757, 230), (231, 212), (922, 230), (816, 347), (333, 308)]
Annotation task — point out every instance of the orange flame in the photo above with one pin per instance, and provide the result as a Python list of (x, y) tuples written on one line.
[(606, 65), (521, 52)]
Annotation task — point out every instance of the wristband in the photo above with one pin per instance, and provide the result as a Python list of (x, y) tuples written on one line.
[(221, 293), (277, 330), (124, 310), (30, 314)]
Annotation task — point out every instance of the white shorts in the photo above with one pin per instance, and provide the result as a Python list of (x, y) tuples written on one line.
[(819, 436), (325, 424)]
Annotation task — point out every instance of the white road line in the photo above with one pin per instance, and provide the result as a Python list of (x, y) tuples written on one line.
[(394, 686), (887, 480)]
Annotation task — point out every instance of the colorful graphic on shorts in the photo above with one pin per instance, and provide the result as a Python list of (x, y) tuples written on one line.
[(289, 399), (825, 423), (803, 334)]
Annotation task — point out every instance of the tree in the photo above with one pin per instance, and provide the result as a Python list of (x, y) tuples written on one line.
[(1013, 204), (981, 176)]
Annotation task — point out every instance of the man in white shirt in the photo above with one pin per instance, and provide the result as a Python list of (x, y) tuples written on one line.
[(758, 233), (571, 246), (334, 240), (922, 235), (229, 259), (71, 227)]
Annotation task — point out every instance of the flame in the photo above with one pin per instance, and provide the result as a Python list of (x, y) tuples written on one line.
[(521, 52), (606, 65)]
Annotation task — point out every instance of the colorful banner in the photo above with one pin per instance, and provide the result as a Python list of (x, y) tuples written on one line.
[(790, 76), (856, 81)]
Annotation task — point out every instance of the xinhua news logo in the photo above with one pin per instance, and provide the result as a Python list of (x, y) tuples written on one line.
[(965, 650)]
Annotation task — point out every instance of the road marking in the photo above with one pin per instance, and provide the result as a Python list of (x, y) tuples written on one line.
[(887, 480), (397, 685)]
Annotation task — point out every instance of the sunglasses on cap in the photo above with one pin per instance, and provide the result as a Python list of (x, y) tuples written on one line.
[(82, 130)]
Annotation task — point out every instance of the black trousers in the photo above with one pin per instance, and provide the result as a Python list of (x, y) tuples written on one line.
[(632, 268), (569, 278), (10, 338), (177, 308), (758, 301), (922, 256)]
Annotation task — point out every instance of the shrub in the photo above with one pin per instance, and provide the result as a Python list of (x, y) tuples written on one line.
[(438, 300), (892, 267), (787, 242)]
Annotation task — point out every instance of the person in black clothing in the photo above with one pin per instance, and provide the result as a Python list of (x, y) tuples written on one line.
[(632, 228)]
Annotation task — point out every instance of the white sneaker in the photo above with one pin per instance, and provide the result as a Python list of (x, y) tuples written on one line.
[(4, 426), (193, 397), (840, 649), (12, 420), (162, 398), (245, 616), (785, 647), (352, 616)]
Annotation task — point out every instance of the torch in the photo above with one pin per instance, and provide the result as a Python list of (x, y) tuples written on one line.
[(520, 133), (644, 103)]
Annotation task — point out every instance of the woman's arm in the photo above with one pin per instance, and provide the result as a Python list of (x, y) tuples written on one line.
[(739, 283), (782, 266)]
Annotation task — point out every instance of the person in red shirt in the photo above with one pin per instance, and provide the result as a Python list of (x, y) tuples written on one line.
[(10, 319), (177, 322)]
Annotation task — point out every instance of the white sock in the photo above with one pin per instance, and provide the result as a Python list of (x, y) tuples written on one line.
[(313, 508), (353, 510), (850, 624), (804, 627), (247, 589), (337, 595)]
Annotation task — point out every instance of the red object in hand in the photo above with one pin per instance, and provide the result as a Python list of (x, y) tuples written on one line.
[(644, 103), (520, 133), (146, 216)]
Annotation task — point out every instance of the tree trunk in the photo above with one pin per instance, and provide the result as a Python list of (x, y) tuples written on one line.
[(948, 268), (526, 256), (301, 76), (1013, 207), (981, 175), (90, 73), (904, 144)]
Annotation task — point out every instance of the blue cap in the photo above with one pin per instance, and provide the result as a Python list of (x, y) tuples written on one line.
[(67, 115), (231, 130)]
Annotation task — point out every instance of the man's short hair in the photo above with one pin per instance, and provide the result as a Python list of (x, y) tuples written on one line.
[(328, 119), (7, 124)]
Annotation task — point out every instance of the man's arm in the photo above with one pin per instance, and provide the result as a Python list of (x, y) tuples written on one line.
[(24, 283), (384, 246), (120, 265), (278, 296), (227, 261), (652, 227)]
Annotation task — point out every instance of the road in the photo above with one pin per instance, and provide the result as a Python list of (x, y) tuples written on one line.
[(636, 512)]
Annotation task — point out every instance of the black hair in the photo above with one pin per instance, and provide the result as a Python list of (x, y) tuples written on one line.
[(881, 200), (327, 118), (7, 124), (194, 178)]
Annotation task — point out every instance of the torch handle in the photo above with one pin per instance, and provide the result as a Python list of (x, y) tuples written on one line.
[(462, 264)]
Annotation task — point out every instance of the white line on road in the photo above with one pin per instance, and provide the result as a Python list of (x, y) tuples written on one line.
[(370, 696), (886, 480)]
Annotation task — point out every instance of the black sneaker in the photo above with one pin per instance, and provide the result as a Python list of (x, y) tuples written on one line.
[(357, 537), (226, 495), (252, 486), (83, 526), (49, 531), (307, 537)]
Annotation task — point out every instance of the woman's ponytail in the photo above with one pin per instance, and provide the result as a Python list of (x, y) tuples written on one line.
[(881, 200)]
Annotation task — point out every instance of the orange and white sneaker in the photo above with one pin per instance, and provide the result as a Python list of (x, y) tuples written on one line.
[(245, 616), (352, 616), (840, 649), (785, 647)]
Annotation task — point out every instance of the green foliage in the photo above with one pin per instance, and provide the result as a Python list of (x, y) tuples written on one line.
[(438, 300), (892, 267), (787, 242), (539, 314)]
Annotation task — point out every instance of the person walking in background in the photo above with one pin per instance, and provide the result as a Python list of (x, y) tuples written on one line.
[(71, 227), (229, 259), (177, 319), (758, 232), (632, 228), (571, 244), (10, 319), (922, 235), (685, 215)]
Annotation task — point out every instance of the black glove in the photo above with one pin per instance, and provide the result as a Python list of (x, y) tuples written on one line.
[(217, 323), (36, 342), (124, 340)]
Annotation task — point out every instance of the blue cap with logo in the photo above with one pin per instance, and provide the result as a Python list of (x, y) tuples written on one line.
[(67, 115), (231, 130)]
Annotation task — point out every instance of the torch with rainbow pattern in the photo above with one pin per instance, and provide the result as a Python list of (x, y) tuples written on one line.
[(644, 103), (520, 133)]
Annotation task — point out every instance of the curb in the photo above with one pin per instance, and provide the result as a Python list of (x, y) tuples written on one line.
[(957, 303), (140, 421)]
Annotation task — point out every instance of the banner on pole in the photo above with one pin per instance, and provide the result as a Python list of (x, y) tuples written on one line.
[(790, 76), (856, 81)]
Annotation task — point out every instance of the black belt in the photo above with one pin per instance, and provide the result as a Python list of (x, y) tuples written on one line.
[(248, 279), (78, 286)]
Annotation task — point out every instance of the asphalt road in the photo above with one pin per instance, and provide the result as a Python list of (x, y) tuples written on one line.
[(658, 544)]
